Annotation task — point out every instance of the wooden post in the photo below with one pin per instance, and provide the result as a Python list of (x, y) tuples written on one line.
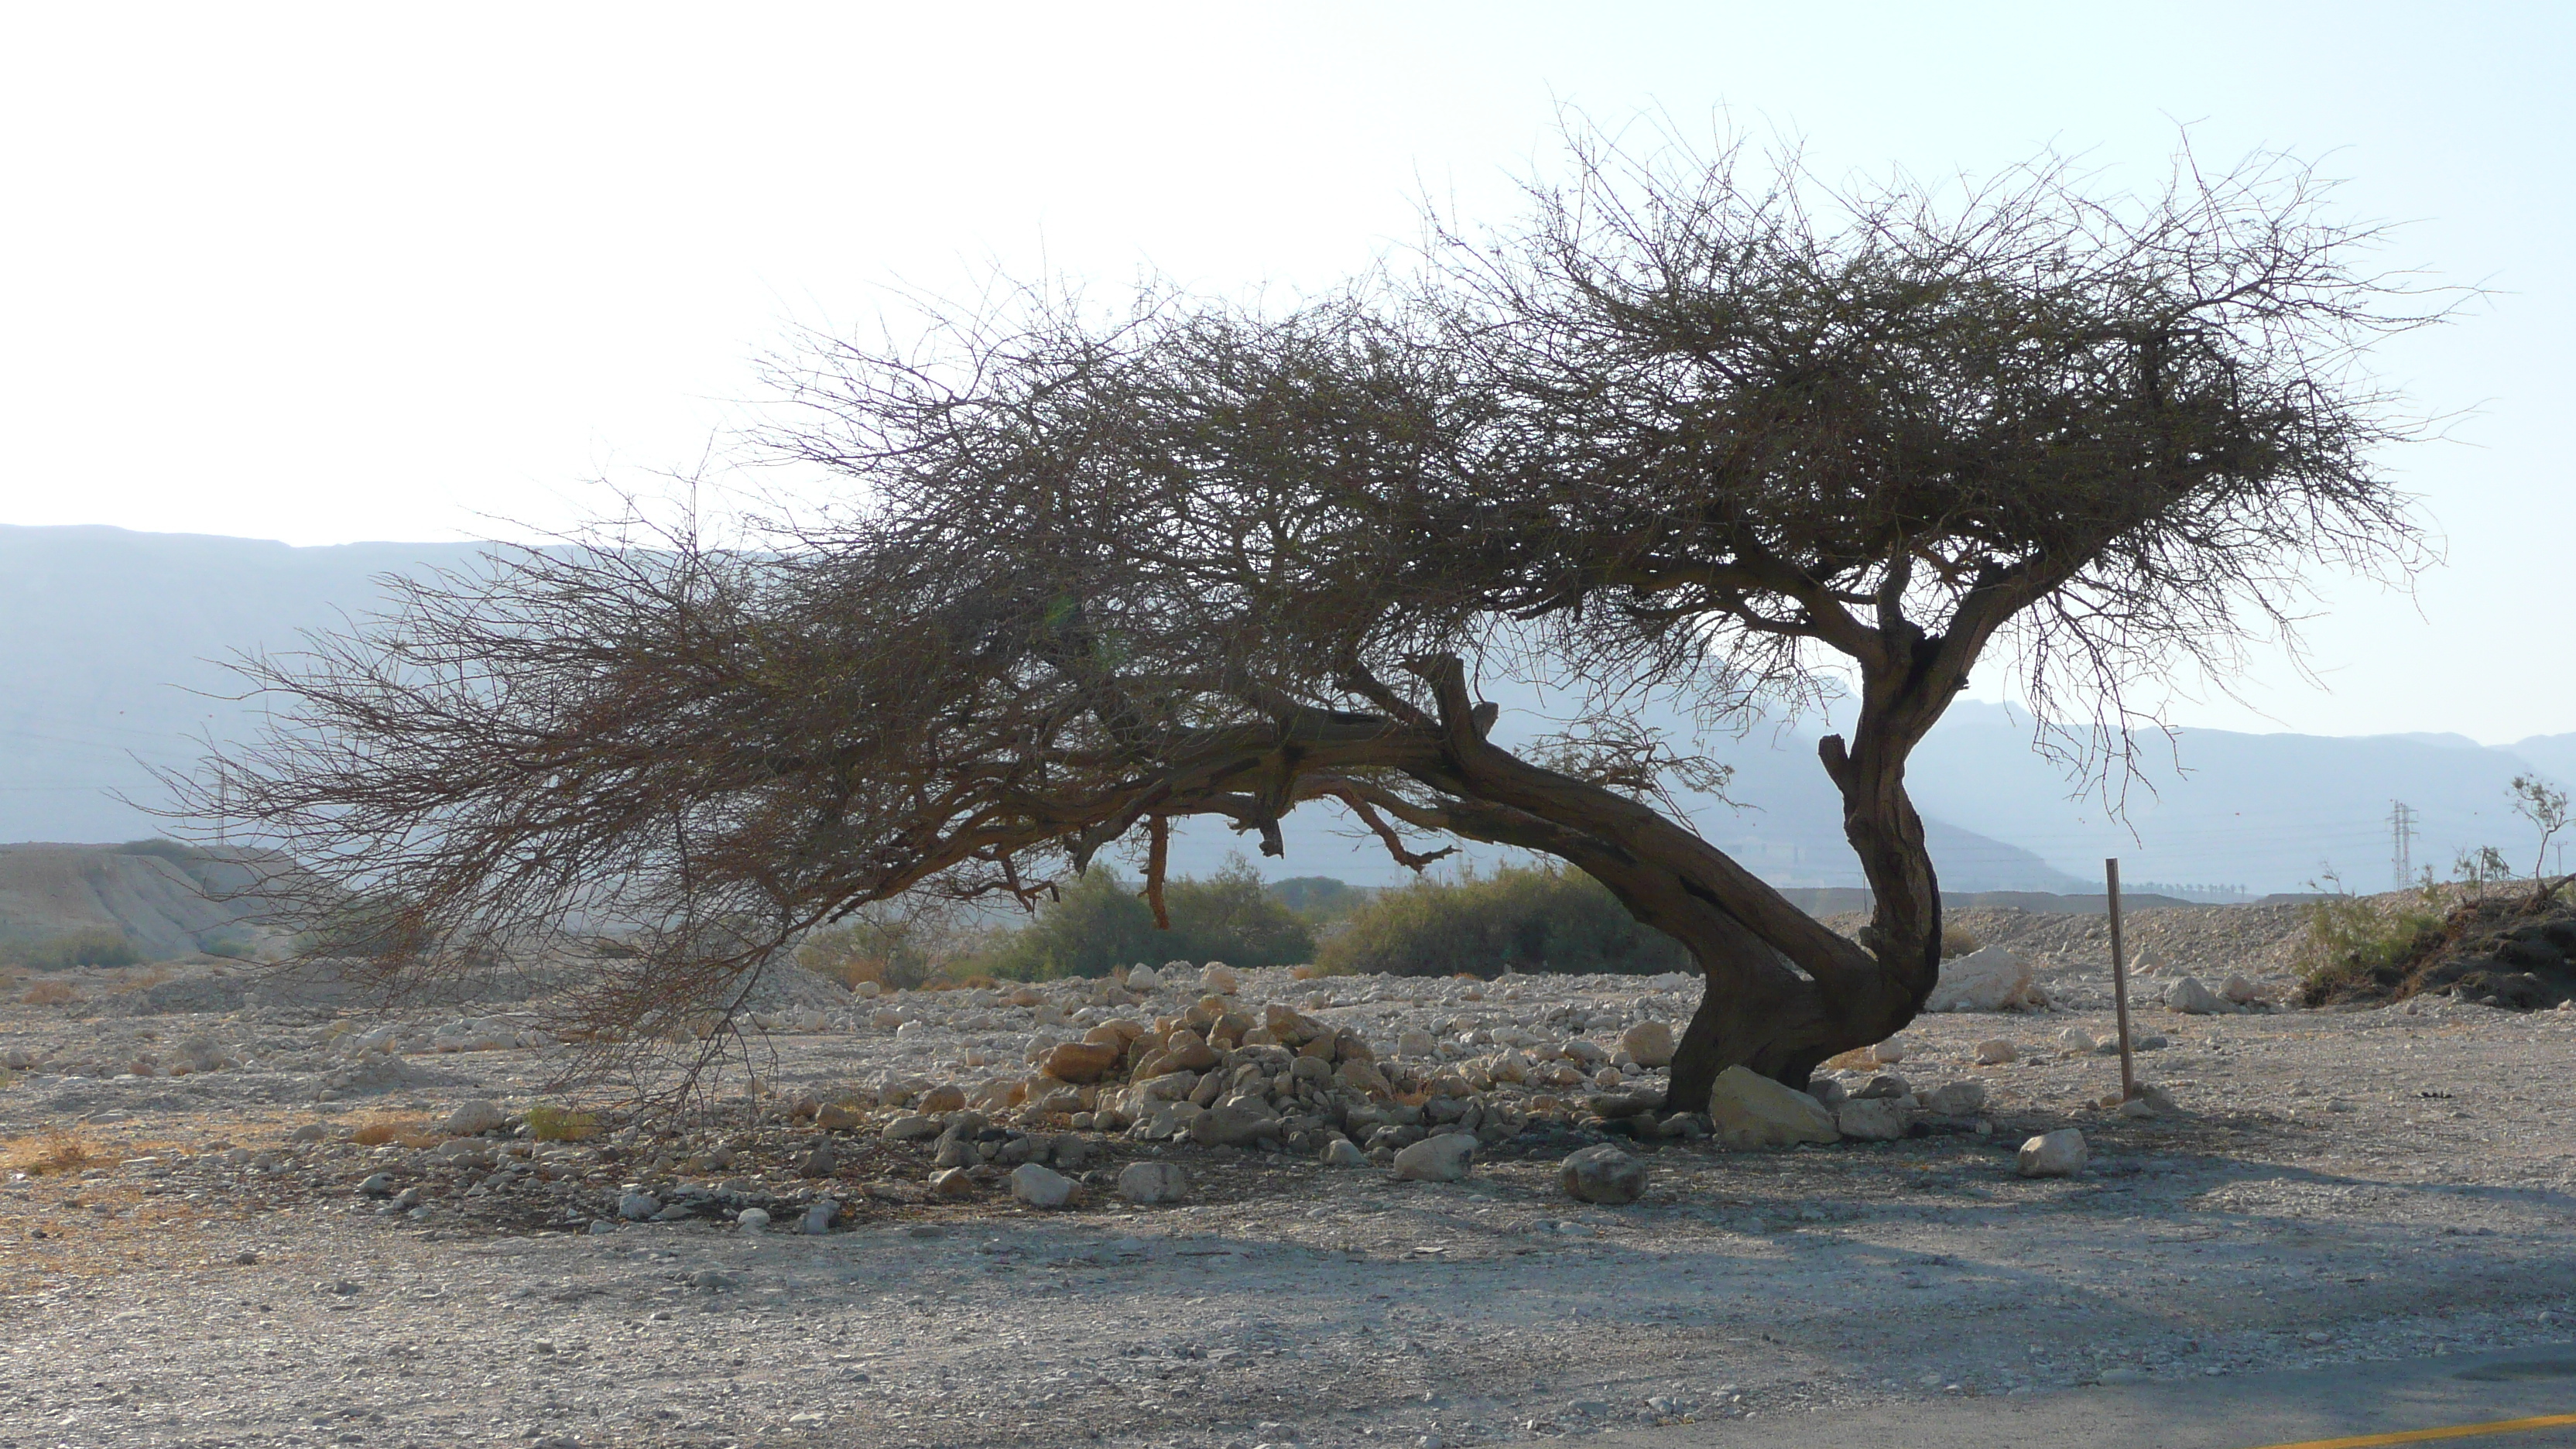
[(2120, 982)]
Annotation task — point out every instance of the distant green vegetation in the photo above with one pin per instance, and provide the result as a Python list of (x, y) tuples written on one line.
[(96, 946), (1321, 898), (1101, 920), (1545, 918)]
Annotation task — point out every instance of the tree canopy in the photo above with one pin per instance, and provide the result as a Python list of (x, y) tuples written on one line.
[(1697, 426)]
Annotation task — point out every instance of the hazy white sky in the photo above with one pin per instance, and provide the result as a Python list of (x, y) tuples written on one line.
[(339, 273)]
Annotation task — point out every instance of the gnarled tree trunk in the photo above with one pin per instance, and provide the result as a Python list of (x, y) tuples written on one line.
[(1783, 992)]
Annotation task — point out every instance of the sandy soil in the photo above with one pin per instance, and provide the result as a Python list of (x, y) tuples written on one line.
[(2340, 1186)]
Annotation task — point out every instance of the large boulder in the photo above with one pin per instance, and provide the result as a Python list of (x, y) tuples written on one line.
[(2193, 998), (1232, 1124), (1751, 1110), (1153, 1182), (1080, 1061), (912, 1127), (1437, 1159), (1648, 1044), (1870, 1119), (1603, 1174), (1991, 979), (1187, 1051), (1041, 1187), (472, 1118), (2053, 1154)]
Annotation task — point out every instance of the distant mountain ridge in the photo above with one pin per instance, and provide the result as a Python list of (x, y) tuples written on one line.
[(110, 642)]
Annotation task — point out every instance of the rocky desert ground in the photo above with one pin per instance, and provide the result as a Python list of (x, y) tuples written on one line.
[(242, 1210)]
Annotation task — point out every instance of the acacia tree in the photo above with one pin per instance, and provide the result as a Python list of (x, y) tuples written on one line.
[(1691, 430)]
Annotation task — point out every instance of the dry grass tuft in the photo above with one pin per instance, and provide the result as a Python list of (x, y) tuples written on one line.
[(49, 993), (148, 977), (561, 1124), (409, 1131), (56, 1149)]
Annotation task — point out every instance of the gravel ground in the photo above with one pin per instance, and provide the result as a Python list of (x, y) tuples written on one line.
[(2338, 1186)]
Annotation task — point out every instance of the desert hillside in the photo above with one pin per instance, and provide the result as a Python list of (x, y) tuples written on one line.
[(165, 900)]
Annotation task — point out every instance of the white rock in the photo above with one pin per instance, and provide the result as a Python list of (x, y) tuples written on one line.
[(1649, 1042), (912, 1127), (1416, 1043), (479, 1115), (1751, 1110), (2053, 1154), (1153, 1182), (2076, 1039), (866, 990), (1343, 1152), (1040, 1187), (1437, 1159), (753, 1220), (1956, 1099), (1870, 1119), (635, 1207), (1990, 979), (1995, 1051), (2189, 996), (1143, 978), (1218, 977), (2241, 991), (1889, 1052)]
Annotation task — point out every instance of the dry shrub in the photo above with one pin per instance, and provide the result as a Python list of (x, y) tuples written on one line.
[(409, 1131), (1957, 940), (561, 1124), (55, 1149), (49, 993)]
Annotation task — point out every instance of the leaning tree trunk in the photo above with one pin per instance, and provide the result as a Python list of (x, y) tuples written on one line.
[(1766, 1005), (1783, 992), (1748, 1015)]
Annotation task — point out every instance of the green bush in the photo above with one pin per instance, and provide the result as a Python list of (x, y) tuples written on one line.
[(892, 943), (1100, 921), (1321, 899), (1547, 918), (97, 946), (2359, 947)]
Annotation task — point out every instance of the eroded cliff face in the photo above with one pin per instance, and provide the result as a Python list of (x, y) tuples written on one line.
[(165, 900)]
